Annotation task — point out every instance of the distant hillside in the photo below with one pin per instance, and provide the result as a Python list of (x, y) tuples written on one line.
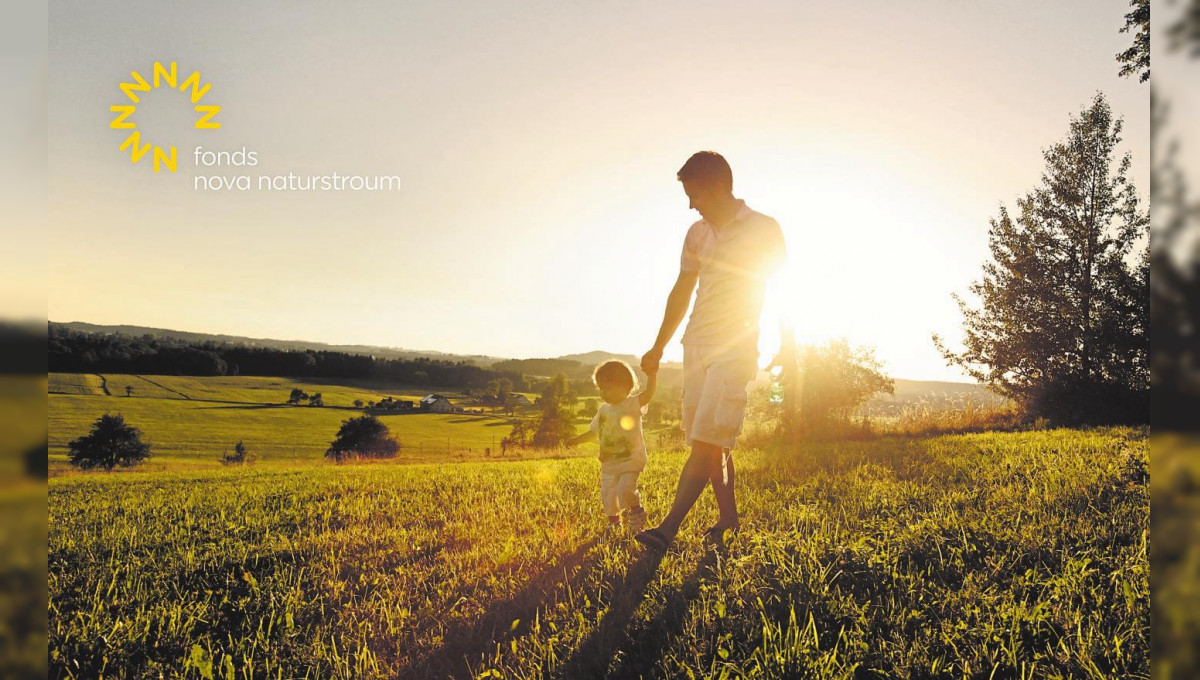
[(600, 356), (188, 336), (934, 394)]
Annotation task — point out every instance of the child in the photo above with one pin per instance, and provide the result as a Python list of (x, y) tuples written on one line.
[(618, 426)]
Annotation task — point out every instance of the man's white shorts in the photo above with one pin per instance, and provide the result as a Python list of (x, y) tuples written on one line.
[(714, 392)]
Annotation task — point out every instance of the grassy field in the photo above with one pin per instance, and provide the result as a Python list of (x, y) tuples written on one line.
[(1175, 555), (985, 555), (237, 389), (189, 422)]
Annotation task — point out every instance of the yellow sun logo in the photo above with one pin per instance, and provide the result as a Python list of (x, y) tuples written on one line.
[(170, 77)]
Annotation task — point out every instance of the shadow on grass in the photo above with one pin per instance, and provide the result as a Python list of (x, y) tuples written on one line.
[(470, 641), (611, 641)]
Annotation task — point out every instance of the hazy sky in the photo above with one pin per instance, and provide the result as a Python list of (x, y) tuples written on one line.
[(537, 143)]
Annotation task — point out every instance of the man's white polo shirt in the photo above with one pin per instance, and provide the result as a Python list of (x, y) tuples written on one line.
[(733, 263)]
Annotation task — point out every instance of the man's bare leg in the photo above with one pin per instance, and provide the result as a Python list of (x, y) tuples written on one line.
[(722, 480), (697, 473)]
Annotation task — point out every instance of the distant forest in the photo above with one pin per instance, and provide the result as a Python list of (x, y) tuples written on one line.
[(72, 351)]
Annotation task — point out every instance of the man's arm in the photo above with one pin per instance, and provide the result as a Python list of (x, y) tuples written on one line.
[(677, 304), (647, 394)]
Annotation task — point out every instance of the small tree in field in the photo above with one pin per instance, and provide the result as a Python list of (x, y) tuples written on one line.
[(110, 443), (238, 456), (363, 437), (37, 461), (837, 379), (298, 395), (552, 427)]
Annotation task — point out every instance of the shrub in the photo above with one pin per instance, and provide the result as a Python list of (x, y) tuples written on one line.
[(110, 443), (238, 456), (833, 380), (363, 437), (37, 461)]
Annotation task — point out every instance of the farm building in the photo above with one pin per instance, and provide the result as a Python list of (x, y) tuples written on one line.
[(521, 400)]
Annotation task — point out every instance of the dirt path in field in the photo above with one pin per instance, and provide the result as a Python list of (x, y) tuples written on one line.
[(104, 385), (164, 387)]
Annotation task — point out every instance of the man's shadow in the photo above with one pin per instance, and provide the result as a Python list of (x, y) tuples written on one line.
[(610, 651), (469, 641)]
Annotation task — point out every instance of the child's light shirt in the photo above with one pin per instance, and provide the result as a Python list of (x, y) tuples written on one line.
[(619, 427)]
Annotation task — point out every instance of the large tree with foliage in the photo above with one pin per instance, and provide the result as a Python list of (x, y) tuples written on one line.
[(1136, 59), (1061, 326), (362, 437), (111, 442)]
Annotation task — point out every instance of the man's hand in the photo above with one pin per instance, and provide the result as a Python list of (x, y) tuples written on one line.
[(650, 361), (780, 360)]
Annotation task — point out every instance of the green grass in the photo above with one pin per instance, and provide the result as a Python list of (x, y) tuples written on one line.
[(1175, 555), (194, 433), (242, 389), (988, 555), (190, 421), (74, 383)]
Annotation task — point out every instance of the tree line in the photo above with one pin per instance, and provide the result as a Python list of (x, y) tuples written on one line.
[(71, 351)]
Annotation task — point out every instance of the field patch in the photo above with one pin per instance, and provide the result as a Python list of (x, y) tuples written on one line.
[(997, 555), (197, 432), (74, 383)]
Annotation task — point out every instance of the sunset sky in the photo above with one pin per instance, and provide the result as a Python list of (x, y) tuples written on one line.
[(537, 144)]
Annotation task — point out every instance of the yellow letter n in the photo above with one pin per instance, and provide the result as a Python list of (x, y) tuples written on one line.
[(172, 161)]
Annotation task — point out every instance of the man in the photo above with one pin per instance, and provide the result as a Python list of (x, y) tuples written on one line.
[(731, 252)]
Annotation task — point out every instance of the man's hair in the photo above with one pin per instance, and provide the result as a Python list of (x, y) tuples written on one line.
[(615, 373), (708, 168)]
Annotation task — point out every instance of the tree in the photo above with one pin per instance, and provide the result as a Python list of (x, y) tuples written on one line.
[(37, 461), (358, 403), (1185, 33), (1061, 327), (1136, 59), (239, 455), (316, 399), (1174, 288), (364, 437), (836, 379), (298, 395), (129, 390), (552, 427), (110, 443)]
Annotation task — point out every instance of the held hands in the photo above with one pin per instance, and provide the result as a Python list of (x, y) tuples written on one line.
[(650, 361)]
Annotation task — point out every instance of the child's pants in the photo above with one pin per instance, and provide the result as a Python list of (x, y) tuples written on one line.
[(619, 491)]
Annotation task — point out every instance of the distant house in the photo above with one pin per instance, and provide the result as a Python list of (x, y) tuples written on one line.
[(521, 400), (436, 403)]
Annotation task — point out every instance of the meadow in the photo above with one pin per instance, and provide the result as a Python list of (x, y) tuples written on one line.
[(979, 555), (191, 421)]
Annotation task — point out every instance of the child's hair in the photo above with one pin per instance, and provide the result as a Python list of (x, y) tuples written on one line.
[(615, 372)]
